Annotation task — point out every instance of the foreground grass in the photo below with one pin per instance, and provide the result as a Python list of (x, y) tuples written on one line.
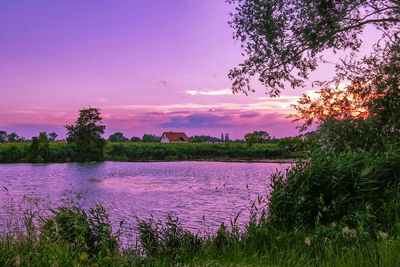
[(256, 246)]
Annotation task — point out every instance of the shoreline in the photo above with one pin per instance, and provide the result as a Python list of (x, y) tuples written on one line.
[(218, 160), (282, 161)]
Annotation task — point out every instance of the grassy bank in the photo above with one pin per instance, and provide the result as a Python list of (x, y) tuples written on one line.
[(170, 245), (193, 151), (61, 152)]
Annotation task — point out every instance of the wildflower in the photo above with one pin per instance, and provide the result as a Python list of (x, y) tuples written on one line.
[(349, 232), (383, 235), (333, 224), (83, 256), (307, 241), (17, 261)]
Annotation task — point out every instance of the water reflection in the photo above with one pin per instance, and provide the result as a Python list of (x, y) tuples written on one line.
[(216, 191)]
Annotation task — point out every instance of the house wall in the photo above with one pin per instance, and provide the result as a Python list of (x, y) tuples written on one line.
[(164, 139)]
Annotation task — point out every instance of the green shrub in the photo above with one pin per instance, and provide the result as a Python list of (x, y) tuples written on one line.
[(358, 189)]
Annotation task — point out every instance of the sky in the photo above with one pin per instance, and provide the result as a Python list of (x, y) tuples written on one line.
[(150, 66)]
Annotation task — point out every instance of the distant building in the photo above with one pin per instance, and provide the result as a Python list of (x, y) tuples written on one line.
[(174, 137), (226, 137)]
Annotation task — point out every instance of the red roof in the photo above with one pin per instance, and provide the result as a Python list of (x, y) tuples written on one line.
[(176, 136)]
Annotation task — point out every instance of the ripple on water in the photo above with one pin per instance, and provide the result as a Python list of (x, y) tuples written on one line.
[(216, 191)]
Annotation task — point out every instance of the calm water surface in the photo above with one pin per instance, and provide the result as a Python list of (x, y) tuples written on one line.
[(201, 194)]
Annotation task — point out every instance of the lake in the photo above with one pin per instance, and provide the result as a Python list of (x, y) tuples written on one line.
[(201, 194)]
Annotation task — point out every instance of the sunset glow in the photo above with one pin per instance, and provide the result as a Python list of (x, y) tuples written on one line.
[(149, 67)]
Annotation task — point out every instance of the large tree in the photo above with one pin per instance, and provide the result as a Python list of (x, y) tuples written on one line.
[(85, 135), (261, 137), (284, 39), (364, 111)]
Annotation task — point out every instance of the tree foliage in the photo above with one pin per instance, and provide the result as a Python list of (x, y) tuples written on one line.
[(148, 138), (53, 136), (284, 39), (118, 137), (204, 139), (14, 137), (364, 113), (85, 135), (3, 136), (135, 139), (260, 137), (39, 149)]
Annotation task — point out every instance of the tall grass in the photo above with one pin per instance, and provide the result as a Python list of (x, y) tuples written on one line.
[(72, 236)]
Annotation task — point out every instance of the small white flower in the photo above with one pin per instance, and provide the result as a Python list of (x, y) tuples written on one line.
[(383, 235)]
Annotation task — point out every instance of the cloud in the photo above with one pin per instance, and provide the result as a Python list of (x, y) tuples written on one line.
[(250, 115), (210, 92), (198, 121), (164, 83)]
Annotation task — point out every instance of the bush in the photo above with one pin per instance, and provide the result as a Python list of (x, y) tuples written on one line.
[(358, 189)]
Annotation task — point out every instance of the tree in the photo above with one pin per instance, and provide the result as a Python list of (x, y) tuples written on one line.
[(148, 138), (203, 139), (363, 112), (39, 148), (3, 136), (260, 137), (135, 139), (85, 135), (284, 39), (250, 139), (117, 137), (13, 137), (52, 136)]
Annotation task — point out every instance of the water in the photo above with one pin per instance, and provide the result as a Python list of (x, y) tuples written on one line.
[(201, 194)]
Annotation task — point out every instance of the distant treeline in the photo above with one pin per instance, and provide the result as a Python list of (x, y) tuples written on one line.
[(85, 144), (260, 137), (40, 150)]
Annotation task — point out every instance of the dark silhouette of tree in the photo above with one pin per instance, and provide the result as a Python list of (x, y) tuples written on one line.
[(117, 137), (148, 138), (135, 139), (3, 136), (39, 149), (372, 90), (204, 138), (52, 136), (283, 39), (260, 137), (85, 135), (13, 137)]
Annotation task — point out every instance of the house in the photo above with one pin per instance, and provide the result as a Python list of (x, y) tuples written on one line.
[(174, 137)]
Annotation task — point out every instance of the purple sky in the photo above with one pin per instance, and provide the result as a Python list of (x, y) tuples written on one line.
[(150, 66)]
